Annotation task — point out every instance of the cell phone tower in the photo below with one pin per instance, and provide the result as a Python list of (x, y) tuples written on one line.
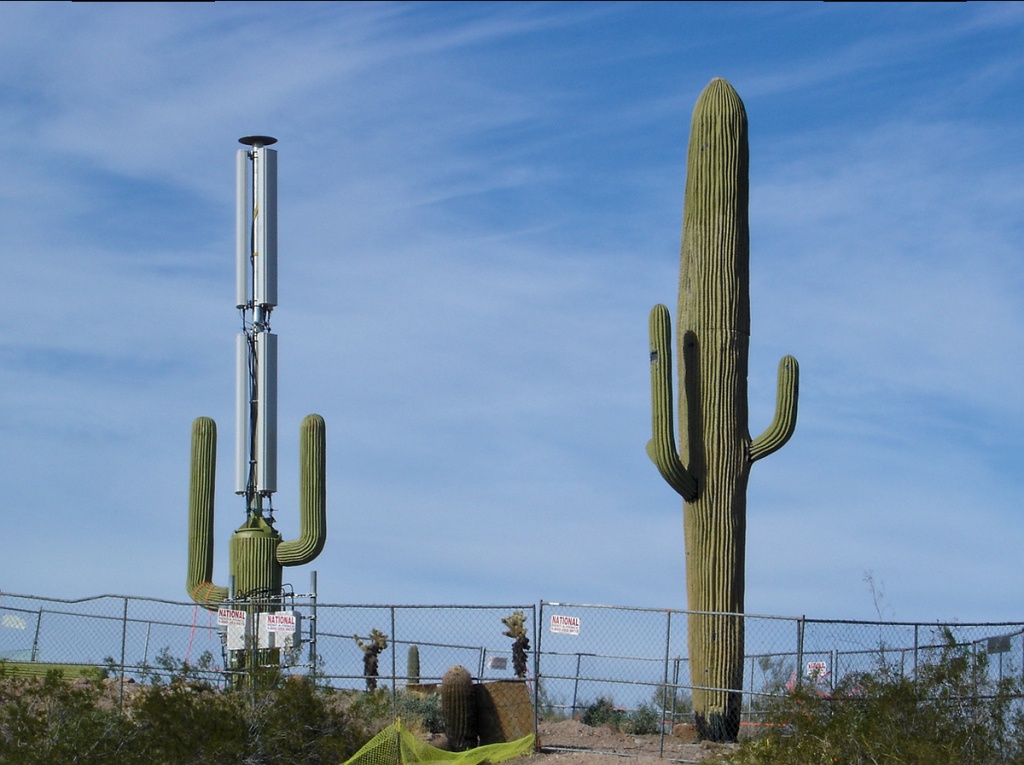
[(256, 345), (256, 550)]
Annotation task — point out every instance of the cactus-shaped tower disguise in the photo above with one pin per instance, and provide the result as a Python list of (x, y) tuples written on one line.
[(256, 550), (711, 466)]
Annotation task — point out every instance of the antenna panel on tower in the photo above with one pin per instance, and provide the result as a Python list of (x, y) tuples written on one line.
[(266, 413), (243, 251), (265, 226), (243, 410)]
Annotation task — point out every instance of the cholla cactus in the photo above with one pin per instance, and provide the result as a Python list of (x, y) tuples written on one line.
[(371, 653), (516, 624), (711, 466)]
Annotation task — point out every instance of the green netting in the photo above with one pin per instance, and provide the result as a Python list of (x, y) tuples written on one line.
[(396, 746)]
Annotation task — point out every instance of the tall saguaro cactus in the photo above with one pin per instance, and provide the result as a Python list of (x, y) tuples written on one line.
[(711, 466), (256, 550)]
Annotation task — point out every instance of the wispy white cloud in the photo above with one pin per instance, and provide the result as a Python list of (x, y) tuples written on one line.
[(479, 206)]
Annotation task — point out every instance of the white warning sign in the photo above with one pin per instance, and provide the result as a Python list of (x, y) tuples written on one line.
[(232, 616), (565, 625)]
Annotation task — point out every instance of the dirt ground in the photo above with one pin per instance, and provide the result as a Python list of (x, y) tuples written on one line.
[(604, 746)]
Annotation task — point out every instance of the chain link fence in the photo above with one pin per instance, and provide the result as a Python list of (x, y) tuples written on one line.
[(141, 637), (638, 658), (629, 659)]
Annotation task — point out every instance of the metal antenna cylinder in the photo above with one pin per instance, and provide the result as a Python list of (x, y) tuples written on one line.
[(256, 296), (243, 252), (264, 227)]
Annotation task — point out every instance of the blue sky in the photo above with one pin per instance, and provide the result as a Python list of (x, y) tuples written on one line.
[(479, 204)]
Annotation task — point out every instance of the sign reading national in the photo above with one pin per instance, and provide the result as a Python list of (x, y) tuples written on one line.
[(566, 625), (282, 621), (233, 616)]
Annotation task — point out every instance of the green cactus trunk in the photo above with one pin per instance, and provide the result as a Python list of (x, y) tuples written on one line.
[(256, 550), (712, 465), (412, 665), (253, 561)]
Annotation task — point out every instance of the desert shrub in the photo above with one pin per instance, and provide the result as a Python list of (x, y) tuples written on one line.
[(51, 720), (603, 712), (372, 711), (274, 719), (949, 713), (644, 720), (186, 722), (296, 723), (421, 713)]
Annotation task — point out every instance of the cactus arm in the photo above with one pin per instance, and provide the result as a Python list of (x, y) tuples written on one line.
[(202, 482), (312, 496), (662, 446), (782, 426)]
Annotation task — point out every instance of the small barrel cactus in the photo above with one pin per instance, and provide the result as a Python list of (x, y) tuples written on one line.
[(458, 707), (412, 665)]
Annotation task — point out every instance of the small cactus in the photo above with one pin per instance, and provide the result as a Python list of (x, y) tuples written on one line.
[(516, 624), (371, 653), (412, 665), (458, 707)]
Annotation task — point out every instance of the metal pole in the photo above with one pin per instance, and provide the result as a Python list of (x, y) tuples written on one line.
[(35, 640), (675, 686), (916, 627), (750, 692), (394, 668), (664, 684), (124, 641), (799, 650), (536, 677), (576, 684), (312, 623)]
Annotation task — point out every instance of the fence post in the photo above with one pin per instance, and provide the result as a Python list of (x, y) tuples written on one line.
[(675, 686), (576, 684), (35, 639), (799, 650), (916, 627), (538, 636), (750, 691), (124, 641), (312, 624), (536, 684), (394, 668), (664, 684)]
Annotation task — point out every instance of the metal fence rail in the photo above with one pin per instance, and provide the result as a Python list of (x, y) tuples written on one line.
[(632, 658)]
